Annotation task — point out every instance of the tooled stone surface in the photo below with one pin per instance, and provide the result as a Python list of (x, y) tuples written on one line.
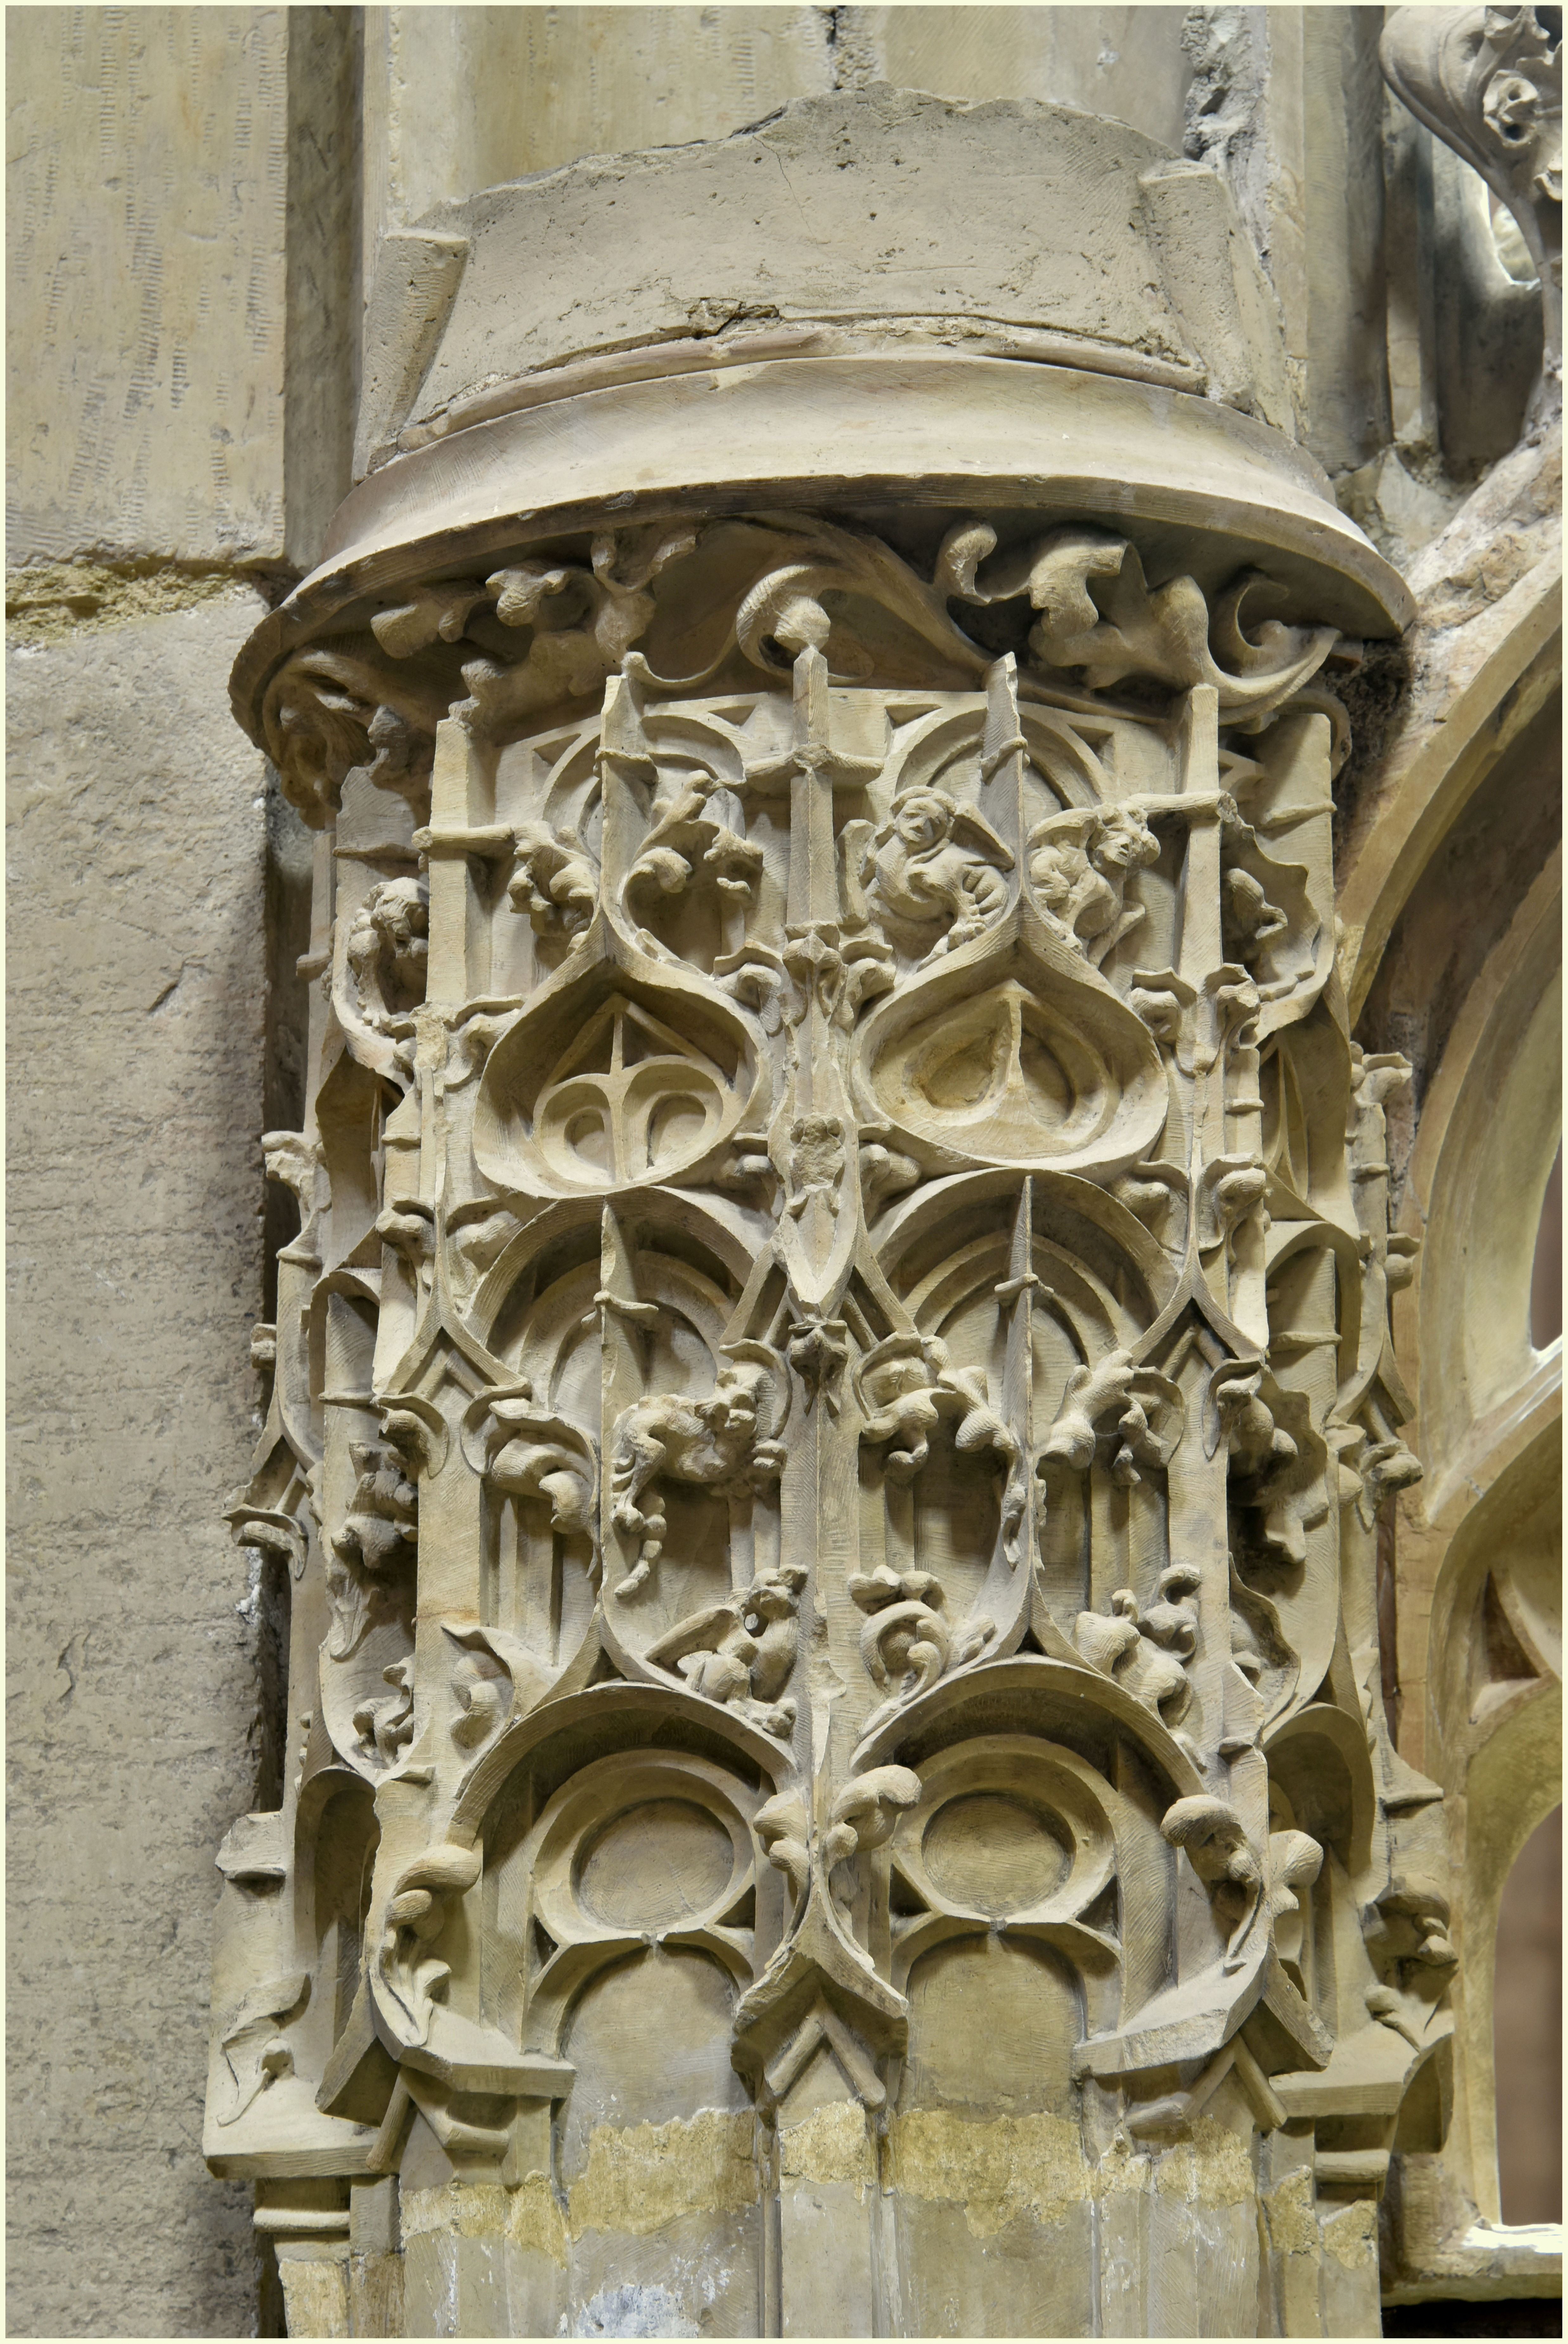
[(828, 1413), (1488, 81), (112, 1830), (814, 1280)]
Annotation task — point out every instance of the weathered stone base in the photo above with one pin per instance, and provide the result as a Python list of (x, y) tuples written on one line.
[(934, 2225)]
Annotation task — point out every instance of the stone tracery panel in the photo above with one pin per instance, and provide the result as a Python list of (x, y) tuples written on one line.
[(830, 1405)]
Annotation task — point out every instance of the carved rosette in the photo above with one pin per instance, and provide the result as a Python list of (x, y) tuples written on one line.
[(832, 1394)]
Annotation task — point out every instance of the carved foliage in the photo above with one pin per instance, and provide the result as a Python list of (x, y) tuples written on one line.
[(839, 1342), (375, 1545)]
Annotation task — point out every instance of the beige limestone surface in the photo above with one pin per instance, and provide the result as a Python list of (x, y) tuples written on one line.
[(881, 206), (1285, 104), (152, 370), (459, 98), (832, 1388), (135, 1034), (147, 169)]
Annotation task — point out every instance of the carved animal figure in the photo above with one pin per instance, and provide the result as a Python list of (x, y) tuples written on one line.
[(1252, 921), (715, 1442), (936, 857), (381, 1524), (1406, 1930), (380, 1532), (724, 1674), (1117, 1647), (774, 1600), (898, 1398), (1224, 1859), (1145, 1651), (386, 1727), (696, 829), (742, 1652), (388, 949), (1080, 863), (553, 881), (815, 1164)]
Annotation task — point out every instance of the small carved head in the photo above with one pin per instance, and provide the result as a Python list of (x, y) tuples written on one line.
[(923, 819), (1126, 840), (738, 1394), (776, 1597)]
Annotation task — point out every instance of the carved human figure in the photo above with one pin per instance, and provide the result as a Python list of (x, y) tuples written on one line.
[(388, 948), (936, 859), (742, 1652)]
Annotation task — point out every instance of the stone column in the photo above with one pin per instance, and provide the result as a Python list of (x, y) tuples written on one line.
[(835, 1375)]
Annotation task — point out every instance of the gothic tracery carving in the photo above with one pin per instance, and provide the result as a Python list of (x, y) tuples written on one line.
[(825, 1294)]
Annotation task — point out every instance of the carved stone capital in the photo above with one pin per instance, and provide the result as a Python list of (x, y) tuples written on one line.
[(836, 1236)]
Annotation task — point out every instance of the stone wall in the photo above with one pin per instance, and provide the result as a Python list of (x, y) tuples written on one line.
[(148, 219), (135, 859)]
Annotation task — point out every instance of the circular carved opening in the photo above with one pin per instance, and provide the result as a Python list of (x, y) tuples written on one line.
[(993, 1853), (656, 1866)]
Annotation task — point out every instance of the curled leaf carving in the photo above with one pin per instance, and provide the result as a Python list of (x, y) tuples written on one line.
[(1101, 621), (331, 710)]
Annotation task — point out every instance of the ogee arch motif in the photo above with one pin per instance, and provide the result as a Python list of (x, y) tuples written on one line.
[(845, 1389)]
